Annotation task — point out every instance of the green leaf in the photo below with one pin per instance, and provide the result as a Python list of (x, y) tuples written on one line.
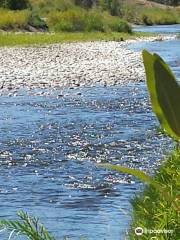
[(168, 95), (150, 78), (28, 226), (135, 172), (157, 79)]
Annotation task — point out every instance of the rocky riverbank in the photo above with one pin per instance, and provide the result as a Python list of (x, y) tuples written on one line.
[(71, 65)]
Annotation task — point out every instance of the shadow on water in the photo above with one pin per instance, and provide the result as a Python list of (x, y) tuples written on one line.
[(49, 147)]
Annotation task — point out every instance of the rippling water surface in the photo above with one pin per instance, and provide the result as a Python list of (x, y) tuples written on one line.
[(168, 50), (174, 28), (50, 144), (49, 149)]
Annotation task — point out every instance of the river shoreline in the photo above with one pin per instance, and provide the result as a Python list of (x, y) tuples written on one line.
[(71, 65), (52, 136)]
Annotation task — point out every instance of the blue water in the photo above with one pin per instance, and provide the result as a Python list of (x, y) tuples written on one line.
[(174, 28), (169, 50), (50, 146)]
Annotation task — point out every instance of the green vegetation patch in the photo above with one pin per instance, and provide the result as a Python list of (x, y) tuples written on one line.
[(159, 16), (152, 212), (79, 19), (13, 19), (156, 211), (13, 39), (83, 15), (150, 15)]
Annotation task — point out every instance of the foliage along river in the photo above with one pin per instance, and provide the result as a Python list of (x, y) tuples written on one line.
[(49, 149)]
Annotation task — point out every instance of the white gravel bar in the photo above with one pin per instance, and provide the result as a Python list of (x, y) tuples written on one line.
[(71, 64)]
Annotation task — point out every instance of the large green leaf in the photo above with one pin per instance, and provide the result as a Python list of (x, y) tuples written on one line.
[(168, 95), (150, 79), (155, 81), (135, 172)]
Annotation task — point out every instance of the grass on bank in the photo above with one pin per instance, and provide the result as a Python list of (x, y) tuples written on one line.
[(152, 211), (13, 39)]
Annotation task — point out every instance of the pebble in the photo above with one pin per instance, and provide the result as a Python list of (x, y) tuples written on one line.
[(71, 65)]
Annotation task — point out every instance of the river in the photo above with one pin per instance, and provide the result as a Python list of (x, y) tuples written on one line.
[(49, 148)]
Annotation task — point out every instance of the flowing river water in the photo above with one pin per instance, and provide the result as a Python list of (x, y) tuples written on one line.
[(49, 148)]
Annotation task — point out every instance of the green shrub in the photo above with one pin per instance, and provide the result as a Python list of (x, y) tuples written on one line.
[(71, 20), (79, 19), (158, 207), (152, 211), (150, 15), (94, 21), (159, 16), (117, 24), (44, 7), (13, 19)]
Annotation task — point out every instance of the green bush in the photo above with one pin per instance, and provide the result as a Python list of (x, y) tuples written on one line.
[(150, 15), (152, 211), (44, 7), (116, 24), (13, 19), (79, 19), (94, 21), (159, 16), (71, 20), (158, 207)]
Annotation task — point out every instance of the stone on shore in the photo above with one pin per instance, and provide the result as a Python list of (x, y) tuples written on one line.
[(70, 65)]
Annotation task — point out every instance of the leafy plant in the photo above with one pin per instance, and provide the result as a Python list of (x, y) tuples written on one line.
[(78, 19), (26, 225), (150, 210), (13, 19), (164, 93)]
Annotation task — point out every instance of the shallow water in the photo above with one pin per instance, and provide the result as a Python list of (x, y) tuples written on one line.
[(174, 28), (169, 50), (50, 145)]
